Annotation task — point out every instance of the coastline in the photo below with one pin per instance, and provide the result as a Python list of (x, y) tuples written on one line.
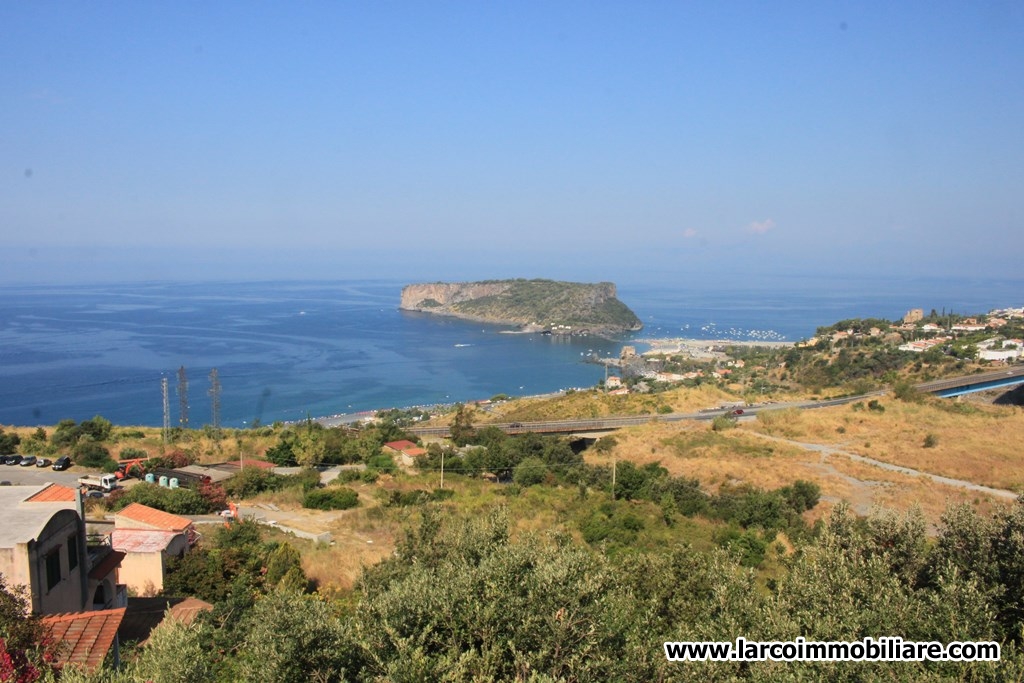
[(688, 345)]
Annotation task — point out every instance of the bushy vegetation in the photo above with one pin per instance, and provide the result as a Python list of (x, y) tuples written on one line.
[(310, 444), (233, 566), (462, 600), (333, 498), (8, 442), (548, 302), (179, 501)]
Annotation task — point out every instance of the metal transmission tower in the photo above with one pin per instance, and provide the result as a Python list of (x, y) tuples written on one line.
[(183, 397), (215, 397), (167, 411)]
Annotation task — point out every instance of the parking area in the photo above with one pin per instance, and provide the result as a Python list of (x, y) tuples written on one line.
[(37, 476)]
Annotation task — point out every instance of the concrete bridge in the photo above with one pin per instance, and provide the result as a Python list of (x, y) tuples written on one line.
[(595, 427), (957, 386)]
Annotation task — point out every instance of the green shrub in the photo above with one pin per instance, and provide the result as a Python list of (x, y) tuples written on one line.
[(91, 454), (382, 462), (722, 423), (179, 501), (335, 498), (133, 453), (529, 472), (346, 476), (931, 441)]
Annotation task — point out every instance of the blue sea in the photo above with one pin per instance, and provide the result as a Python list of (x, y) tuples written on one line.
[(288, 350)]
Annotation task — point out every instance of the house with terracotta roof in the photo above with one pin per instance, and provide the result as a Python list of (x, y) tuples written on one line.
[(399, 446), (407, 452), (87, 637), (148, 538)]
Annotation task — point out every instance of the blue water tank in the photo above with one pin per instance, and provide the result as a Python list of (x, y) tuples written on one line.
[(174, 482), (150, 478), (163, 480)]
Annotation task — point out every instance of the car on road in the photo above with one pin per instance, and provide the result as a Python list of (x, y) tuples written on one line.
[(13, 460), (43, 462), (738, 411), (62, 463), (28, 461)]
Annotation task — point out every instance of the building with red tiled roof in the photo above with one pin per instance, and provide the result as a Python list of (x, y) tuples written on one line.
[(399, 446), (149, 537), (54, 493), (139, 516), (86, 637), (409, 455)]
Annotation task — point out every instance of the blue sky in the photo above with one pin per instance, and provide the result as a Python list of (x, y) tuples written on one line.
[(449, 140)]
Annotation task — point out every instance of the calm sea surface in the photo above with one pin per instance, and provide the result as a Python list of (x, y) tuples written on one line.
[(287, 350)]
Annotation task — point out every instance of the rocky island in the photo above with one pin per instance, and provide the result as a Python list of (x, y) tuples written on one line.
[(544, 306)]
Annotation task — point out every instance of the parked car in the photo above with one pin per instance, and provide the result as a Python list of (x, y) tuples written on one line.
[(43, 462), (28, 461), (62, 463), (3, 459), (13, 459)]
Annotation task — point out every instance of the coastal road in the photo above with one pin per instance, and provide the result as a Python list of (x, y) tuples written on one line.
[(606, 424)]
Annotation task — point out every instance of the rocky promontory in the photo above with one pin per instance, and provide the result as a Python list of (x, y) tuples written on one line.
[(544, 306)]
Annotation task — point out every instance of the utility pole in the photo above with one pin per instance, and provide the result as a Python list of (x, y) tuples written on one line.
[(183, 397), (167, 412), (442, 468), (215, 398)]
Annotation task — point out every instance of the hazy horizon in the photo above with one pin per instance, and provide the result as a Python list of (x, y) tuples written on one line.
[(460, 141)]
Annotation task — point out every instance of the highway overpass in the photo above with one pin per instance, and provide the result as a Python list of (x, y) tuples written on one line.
[(958, 386), (954, 386)]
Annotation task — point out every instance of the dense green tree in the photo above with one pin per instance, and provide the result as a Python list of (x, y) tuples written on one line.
[(8, 442), (294, 637), (89, 453), (530, 471), (462, 430), (310, 448)]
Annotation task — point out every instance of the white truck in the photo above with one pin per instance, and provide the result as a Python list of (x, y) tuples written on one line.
[(106, 482)]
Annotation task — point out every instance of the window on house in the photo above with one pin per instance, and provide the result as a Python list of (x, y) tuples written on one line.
[(52, 569), (72, 552)]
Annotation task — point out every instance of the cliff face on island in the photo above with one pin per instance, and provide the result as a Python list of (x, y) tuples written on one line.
[(542, 305)]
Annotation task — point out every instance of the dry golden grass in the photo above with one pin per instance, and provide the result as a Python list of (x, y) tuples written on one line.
[(694, 450), (361, 538), (596, 403), (198, 444), (982, 445)]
